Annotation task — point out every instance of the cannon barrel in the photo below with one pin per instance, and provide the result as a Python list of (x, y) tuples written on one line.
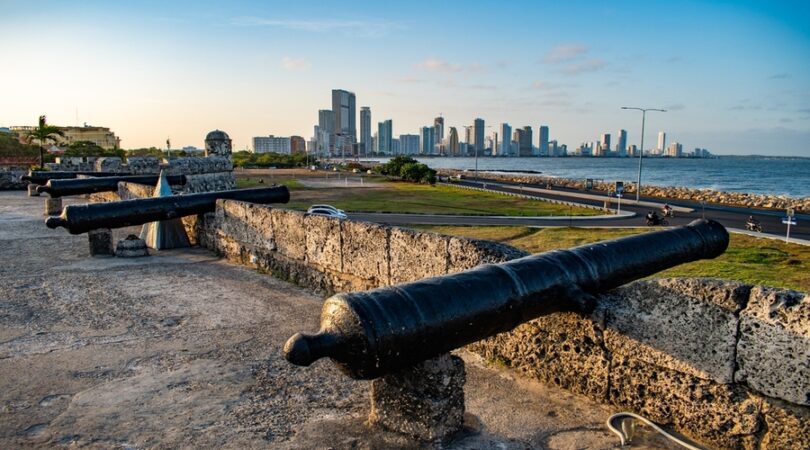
[(83, 218), (41, 177), (79, 186), (371, 333)]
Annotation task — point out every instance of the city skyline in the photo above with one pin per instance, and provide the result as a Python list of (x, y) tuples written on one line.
[(167, 70)]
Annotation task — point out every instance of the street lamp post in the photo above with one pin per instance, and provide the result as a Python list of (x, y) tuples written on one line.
[(641, 150)]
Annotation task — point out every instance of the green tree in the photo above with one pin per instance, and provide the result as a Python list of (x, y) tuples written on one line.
[(43, 134), (88, 148)]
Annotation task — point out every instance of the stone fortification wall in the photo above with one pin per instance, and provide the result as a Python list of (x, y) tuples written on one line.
[(332, 255), (10, 179), (696, 195), (725, 363), (213, 173)]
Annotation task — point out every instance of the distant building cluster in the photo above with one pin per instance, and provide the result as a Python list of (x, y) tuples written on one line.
[(100, 136), (336, 135)]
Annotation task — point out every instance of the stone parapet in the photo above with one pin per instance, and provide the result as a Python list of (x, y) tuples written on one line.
[(722, 362)]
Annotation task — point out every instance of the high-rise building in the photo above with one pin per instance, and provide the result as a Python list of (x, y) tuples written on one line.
[(438, 130), (343, 105), (605, 144), (452, 142), (365, 131), (675, 150), (506, 137), (544, 150), (326, 128), (395, 147), (297, 144), (408, 144), (632, 150), (662, 142), (271, 144), (621, 145), (523, 136), (384, 136), (426, 144), (478, 137)]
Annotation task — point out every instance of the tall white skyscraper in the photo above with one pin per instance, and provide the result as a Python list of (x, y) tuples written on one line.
[(662, 142), (408, 144), (365, 131), (506, 140), (343, 105), (438, 130)]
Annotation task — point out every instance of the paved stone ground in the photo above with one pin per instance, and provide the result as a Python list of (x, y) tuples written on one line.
[(183, 350)]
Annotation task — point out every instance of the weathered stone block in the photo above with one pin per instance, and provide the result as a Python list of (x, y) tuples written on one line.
[(787, 426), (773, 354), (365, 251), (466, 253), (323, 242), (32, 190), (425, 402), (131, 247), (562, 348), (648, 320), (290, 234), (129, 191), (53, 206), (722, 415), (108, 164), (101, 242), (415, 255), (259, 221)]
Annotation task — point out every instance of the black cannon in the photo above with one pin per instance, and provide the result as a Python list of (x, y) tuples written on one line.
[(79, 186), (83, 218), (41, 177), (369, 334)]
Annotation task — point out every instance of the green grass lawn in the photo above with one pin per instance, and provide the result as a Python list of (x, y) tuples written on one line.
[(249, 182), (748, 259), (401, 197)]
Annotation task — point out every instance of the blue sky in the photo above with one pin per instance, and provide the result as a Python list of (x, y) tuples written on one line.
[(735, 76)]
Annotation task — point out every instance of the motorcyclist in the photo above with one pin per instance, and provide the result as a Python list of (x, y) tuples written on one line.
[(667, 210), (653, 218), (752, 222)]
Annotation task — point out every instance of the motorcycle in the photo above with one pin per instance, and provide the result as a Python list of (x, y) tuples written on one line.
[(668, 212), (655, 220), (752, 226)]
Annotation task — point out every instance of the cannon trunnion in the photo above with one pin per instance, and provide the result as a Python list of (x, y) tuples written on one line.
[(83, 218), (369, 334)]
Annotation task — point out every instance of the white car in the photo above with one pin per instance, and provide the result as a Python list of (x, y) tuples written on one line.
[(327, 210)]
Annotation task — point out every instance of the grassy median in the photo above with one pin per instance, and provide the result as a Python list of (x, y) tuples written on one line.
[(748, 259), (381, 195)]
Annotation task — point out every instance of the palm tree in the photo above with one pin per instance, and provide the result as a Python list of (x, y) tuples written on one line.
[(43, 134)]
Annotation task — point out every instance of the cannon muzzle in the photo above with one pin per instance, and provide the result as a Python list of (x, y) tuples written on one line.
[(80, 186), (83, 218), (369, 334)]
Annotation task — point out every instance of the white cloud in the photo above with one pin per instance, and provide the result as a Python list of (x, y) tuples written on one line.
[(294, 63), (565, 52), (438, 65)]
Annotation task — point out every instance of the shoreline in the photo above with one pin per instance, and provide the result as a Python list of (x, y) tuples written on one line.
[(741, 199)]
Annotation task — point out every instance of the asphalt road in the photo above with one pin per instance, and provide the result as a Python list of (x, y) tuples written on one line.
[(731, 217)]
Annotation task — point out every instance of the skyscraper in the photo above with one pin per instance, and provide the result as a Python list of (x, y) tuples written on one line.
[(427, 141), (621, 145), (343, 105), (297, 144), (365, 131), (326, 128), (524, 140), (662, 142), (605, 144), (452, 142), (478, 137), (438, 129), (384, 136), (544, 141), (506, 140), (408, 144)]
